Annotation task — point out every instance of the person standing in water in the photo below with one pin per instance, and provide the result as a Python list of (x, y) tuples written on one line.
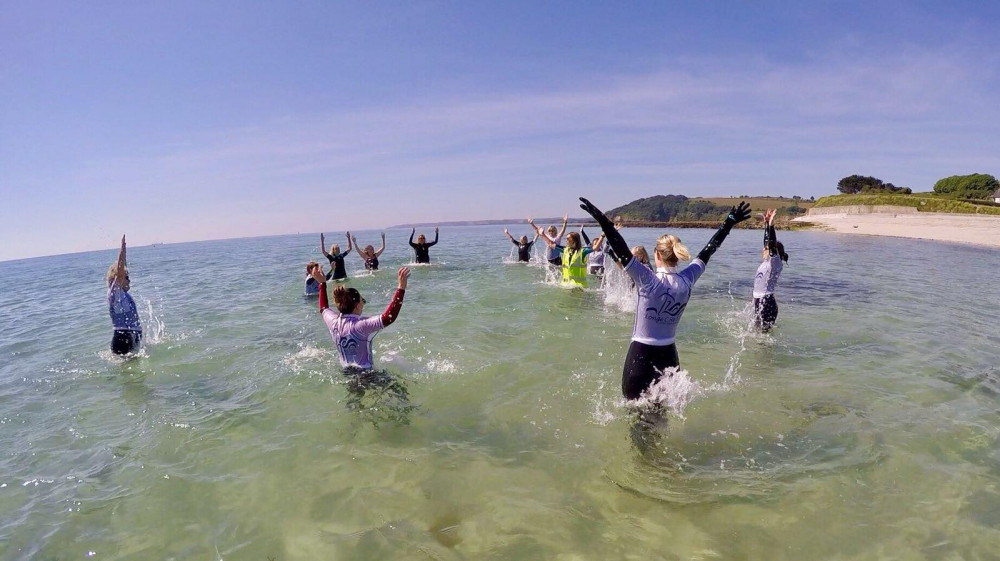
[(765, 307), (554, 255), (640, 253), (421, 247), (352, 332), (127, 336), (595, 261), (663, 296), (369, 255), (338, 272), (311, 288), (573, 261), (523, 246)]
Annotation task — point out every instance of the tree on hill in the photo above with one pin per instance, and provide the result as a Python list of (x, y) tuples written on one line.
[(973, 186), (853, 184)]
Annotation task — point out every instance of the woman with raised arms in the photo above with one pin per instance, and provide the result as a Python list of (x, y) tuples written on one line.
[(765, 307), (595, 261), (523, 246), (572, 261), (127, 336), (338, 272), (663, 295), (420, 249), (352, 332), (369, 254), (554, 255)]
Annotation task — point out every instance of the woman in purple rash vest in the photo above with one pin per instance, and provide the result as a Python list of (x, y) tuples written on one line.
[(663, 296)]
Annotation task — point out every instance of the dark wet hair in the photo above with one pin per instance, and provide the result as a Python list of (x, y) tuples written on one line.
[(346, 299), (781, 251)]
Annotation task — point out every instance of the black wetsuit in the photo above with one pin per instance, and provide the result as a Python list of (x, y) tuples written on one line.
[(645, 362), (765, 307), (523, 250), (371, 264), (339, 270), (423, 256)]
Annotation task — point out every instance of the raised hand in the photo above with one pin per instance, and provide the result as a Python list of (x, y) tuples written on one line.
[(506, 232), (594, 211), (403, 274), (435, 230), (739, 213)]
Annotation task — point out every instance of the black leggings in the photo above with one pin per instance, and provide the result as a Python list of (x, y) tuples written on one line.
[(123, 342), (644, 365), (765, 312)]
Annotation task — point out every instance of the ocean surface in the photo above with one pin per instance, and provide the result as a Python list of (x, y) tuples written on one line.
[(865, 426)]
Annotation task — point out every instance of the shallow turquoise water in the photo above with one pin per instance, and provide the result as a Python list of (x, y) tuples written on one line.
[(865, 426)]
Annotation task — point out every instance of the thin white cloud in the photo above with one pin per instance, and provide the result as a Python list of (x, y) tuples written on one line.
[(702, 127)]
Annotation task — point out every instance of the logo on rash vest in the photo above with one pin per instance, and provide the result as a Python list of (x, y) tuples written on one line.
[(348, 348), (669, 307)]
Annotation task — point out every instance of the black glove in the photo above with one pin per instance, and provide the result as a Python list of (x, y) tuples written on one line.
[(615, 240), (738, 214)]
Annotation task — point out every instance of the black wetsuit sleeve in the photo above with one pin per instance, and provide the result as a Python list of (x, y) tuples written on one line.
[(411, 240), (736, 215), (617, 247), (616, 243), (435, 239), (585, 237), (515, 242), (770, 239)]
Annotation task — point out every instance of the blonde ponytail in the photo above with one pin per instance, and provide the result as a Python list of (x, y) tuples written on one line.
[(670, 250)]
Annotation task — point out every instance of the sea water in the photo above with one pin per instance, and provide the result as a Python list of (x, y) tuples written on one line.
[(865, 426)]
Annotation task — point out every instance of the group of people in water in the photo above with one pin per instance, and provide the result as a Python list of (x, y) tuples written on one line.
[(662, 290)]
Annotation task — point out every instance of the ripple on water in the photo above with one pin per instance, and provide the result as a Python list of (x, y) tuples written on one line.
[(726, 466)]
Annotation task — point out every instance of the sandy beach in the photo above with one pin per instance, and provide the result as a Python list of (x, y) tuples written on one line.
[(961, 228)]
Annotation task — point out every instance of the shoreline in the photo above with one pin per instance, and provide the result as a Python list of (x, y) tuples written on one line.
[(983, 231)]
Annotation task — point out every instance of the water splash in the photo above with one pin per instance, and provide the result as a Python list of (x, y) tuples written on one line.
[(739, 324), (155, 330), (511, 258), (673, 391), (619, 292)]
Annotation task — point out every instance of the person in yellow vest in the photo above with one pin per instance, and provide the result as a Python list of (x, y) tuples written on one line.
[(573, 259)]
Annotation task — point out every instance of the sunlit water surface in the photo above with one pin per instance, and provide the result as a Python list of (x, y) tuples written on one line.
[(864, 426)]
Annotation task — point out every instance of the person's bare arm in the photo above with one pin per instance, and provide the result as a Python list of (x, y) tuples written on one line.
[(120, 267), (361, 253), (382, 247), (349, 246), (322, 245), (563, 230)]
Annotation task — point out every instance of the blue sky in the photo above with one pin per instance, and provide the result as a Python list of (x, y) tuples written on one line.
[(177, 121)]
